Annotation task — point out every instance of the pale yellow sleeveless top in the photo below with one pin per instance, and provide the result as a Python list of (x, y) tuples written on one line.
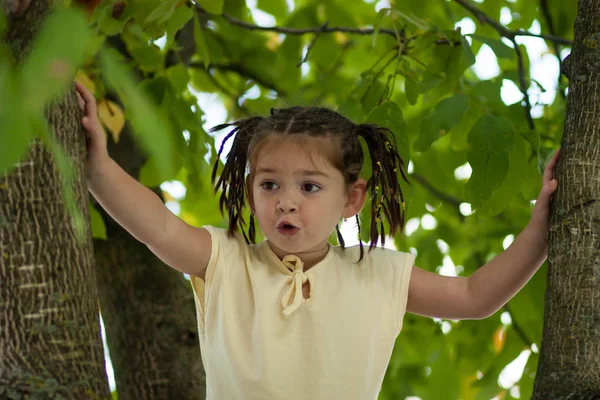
[(260, 339)]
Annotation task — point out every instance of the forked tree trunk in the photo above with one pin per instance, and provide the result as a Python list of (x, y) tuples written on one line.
[(147, 307), (148, 311), (569, 366), (50, 344)]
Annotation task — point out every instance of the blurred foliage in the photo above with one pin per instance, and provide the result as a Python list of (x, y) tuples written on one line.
[(417, 78)]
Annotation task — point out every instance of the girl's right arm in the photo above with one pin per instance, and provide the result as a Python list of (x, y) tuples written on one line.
[(135, 207)]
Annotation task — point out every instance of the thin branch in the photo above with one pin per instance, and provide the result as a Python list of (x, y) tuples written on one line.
[(555, 46), (312, 43), (504, 31), (303, 31), (510, 35), (523, 85), (518, 328), (451, 200)]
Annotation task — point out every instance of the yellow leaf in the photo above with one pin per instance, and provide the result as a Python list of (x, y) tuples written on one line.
[(340, 38), (112, 117), (498, 338), (274, 41), (85, 80)]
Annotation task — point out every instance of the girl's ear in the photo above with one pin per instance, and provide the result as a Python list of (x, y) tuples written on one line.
[(250, 193), (356, 198)]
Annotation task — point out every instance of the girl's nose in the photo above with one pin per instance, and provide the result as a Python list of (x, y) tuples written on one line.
[(287, 207), (287, 203)]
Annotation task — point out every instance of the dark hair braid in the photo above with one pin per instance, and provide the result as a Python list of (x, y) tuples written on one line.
[(233, 176), (384, 183), (386, 163)]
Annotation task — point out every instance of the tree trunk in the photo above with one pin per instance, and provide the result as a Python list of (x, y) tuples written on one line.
[(147, 307), (569, 366), (50, 344)]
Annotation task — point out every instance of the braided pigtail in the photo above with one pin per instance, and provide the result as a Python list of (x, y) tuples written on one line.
[(384, 183), (232, 179)]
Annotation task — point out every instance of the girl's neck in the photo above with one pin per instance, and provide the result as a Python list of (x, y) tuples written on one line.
[(310, 258)]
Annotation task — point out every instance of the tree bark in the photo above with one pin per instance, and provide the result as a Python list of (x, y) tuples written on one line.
[(569, 366), (50, 344), (147, 307)]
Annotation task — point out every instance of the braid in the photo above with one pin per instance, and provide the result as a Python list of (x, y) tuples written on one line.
[(232, 179), (384, 183)]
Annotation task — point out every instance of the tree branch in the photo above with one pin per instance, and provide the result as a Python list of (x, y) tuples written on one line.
[(517, 327), (312, 43), (504, 31), (303, 31), (453, 201), (555, 46), (510, 35)]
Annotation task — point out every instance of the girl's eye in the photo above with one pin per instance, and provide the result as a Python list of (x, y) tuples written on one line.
[(310, 187), (269, 185)]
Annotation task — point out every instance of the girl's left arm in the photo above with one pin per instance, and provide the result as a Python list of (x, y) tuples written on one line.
[(493, 285)]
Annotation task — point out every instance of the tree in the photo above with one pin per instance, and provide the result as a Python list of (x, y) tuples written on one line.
[(568, 367), (148, 307), (50, 344), (405, 67)]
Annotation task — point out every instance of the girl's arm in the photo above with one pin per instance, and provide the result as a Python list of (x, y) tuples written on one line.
[(135, 207), (493, 285)]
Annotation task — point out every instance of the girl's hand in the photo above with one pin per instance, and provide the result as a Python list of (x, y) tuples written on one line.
[(540, 217), (96, 137)]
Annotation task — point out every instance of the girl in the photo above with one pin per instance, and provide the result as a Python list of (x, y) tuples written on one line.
[(294, 317)]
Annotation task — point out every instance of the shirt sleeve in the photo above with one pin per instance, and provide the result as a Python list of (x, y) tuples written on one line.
[(223, 248), (403, 268)]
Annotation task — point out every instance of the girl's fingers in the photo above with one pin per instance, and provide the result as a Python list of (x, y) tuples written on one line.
[(551, 167), (80, 101), (88, 97)]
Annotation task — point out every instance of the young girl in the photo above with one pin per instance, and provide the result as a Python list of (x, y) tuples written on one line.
[(294, 317)]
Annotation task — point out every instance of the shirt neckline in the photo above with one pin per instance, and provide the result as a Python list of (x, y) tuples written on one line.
[(285, 270)]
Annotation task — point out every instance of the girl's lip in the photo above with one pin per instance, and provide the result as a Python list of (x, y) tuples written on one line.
[(284, 224), (288, 231)]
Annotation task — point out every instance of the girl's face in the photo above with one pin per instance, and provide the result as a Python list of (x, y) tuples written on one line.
[(298, 196)]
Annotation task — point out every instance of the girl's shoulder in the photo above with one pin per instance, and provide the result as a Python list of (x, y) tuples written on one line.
[(378, 256)]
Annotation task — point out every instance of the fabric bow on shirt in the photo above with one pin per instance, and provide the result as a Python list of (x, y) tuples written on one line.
[(295, 268)]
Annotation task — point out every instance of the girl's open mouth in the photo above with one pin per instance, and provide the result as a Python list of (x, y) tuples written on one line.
[(288, 230)]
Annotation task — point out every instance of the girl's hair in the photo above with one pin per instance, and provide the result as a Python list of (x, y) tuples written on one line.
[(386, 163)]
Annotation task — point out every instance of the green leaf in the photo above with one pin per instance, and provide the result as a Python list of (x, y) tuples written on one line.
[(150, 124), (180, 17), (179, 77), (490, 140), (149, 58), (529, 372), (56, 53), (339, 16), (163, 12), (377, 25), (15, 137), (98, 226), (390, 116), (212, 6), (151, 175), (446, 115), (500, 49), (107, 24), (504, 196), (277, 8), (201, 47), (352, 109), (444, 379)]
